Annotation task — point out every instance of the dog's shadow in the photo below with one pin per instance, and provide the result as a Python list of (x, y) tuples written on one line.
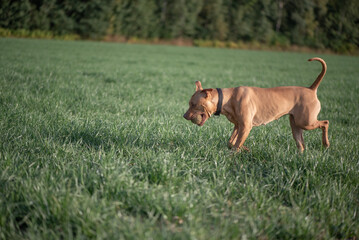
[(96, 138)]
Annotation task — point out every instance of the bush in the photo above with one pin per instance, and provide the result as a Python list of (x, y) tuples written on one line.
[(280, 41), (24, 33)]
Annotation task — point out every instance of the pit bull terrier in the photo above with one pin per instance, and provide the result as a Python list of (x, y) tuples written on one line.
[(247, 107)]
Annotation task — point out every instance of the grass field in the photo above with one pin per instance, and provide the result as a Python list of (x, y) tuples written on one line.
[(94, 146)]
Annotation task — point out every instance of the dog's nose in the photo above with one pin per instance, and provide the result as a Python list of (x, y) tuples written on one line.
[(186, 116)]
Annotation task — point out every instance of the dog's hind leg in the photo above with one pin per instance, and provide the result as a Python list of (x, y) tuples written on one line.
[(325, 128), (297, 134), (324, 125)]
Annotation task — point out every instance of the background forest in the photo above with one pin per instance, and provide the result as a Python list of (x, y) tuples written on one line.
[(331, 24)]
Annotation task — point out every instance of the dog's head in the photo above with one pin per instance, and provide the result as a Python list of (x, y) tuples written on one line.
[(200, 104)]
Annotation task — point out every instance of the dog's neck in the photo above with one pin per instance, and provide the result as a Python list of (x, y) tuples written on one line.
[(219, 102), (225, 109)]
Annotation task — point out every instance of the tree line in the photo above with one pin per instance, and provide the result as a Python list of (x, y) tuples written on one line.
[(332, 24)]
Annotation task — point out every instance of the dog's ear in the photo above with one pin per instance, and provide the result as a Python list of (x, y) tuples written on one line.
[(198, 86), (207, 92)]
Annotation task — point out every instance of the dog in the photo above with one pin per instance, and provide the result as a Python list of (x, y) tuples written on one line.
[(247, 107)]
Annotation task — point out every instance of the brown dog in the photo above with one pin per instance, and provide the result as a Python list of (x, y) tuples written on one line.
[(247, 107)]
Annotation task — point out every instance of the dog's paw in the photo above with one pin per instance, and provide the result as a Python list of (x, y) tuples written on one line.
[(245, 149), (230, 145), (241, 149)]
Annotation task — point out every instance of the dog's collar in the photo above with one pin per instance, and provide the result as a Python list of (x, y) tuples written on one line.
[(220, 101)]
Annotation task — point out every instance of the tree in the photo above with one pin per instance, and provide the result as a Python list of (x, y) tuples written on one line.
[(91, 18), (178, 18), (211, 22), (137, 18), (15, 14), (341, 25)]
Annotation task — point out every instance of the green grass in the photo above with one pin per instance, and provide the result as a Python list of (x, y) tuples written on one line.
[(94, 146)]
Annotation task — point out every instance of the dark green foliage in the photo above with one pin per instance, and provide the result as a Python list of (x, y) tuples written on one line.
[(89, 19), (137, 18), (211, 21), (15, 14), (178, 18), (342, 24), (319, 24)]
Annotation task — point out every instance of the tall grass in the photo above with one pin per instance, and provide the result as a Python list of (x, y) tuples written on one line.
[(93, 145)]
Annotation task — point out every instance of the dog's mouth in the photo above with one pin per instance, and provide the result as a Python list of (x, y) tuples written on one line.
[(204, 119)]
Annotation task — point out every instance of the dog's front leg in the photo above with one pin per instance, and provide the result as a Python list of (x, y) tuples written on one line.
[(233, 138), (243, 133)]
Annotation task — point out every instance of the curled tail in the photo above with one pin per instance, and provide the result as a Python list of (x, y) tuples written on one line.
[(316, 83)]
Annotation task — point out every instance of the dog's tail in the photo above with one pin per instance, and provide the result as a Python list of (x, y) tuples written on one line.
[(316, 83)]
